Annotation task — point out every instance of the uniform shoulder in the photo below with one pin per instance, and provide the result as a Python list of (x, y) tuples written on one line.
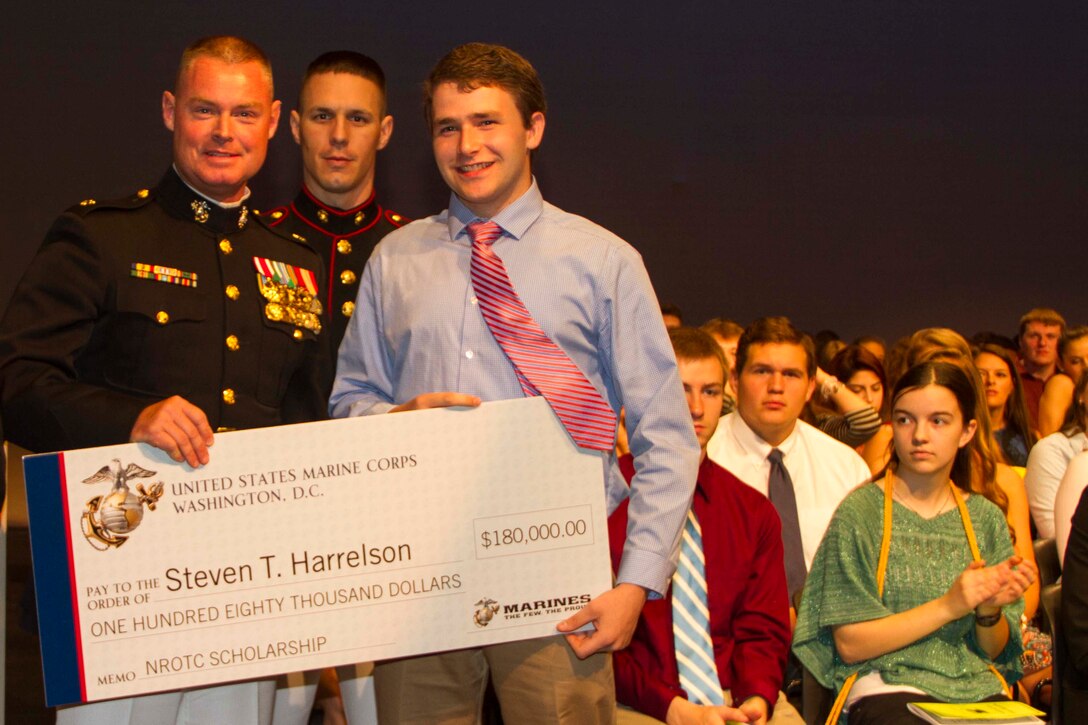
[(275, 215), (413, 232), (266, 221), (135, 200), (396, 219)]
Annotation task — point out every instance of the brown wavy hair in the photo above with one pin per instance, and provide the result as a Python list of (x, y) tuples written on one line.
[(941, 344)]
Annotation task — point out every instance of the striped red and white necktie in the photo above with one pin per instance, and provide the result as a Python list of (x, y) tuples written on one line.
[(541, 365)]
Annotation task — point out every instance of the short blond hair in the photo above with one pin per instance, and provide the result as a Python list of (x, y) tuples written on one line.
[(229, 49), (1044, 315)]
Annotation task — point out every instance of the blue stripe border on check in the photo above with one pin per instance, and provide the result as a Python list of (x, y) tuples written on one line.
[(52, 578)]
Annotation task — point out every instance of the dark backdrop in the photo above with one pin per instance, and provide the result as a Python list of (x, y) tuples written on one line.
[(870, 167)]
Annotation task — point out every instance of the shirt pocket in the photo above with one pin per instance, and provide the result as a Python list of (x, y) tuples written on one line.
[(159, 339), (284, 349)]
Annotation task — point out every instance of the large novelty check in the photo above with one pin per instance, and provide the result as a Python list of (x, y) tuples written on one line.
[(312, 545)]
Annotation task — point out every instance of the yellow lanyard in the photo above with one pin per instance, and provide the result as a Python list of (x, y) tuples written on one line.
[(882, 567)]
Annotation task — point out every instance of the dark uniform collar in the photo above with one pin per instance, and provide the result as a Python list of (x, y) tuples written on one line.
[(332, 221), (181, 201)]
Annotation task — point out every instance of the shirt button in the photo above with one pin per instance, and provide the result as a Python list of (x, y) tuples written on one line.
[(347, 277), (347, 308), (232, 342), (469, 354), (474, 300), (228, 396), (232, 292), (162, 317), (225, 246), (343, 246)]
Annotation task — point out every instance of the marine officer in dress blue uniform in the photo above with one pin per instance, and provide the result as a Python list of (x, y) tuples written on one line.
[(164, 317)]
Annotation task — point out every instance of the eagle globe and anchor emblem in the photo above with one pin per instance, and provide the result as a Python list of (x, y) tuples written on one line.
[(109, 520), (486, 609)]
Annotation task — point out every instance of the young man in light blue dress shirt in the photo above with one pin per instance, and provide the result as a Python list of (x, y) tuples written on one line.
[(418, 340)]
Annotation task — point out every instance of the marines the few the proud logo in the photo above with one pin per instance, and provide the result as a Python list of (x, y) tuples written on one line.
[(109, 520), (486, 609)]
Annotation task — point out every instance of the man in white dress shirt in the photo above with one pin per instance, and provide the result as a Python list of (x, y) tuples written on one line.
[(774, 378)]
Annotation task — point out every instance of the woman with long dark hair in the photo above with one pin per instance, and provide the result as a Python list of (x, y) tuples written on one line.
[(915, 593)]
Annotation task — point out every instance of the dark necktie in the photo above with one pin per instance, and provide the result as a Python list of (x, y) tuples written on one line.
[(543, 368), (780, 491)]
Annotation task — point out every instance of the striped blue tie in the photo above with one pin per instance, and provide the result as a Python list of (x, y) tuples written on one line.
[(691, 621)]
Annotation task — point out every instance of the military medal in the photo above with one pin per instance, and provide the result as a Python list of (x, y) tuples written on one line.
[(291, 294)]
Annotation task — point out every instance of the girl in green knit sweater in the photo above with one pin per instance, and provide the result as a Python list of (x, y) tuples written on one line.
[(915, 588)]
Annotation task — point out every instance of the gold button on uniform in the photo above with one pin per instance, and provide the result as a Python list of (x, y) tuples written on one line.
[(324, 216), (343, 246), (232, 342), (142, 193), (161, 317), (232, 292), (225, 246), (347, 277), (359, 218), (347, 308), (297, 334), (228, 396)]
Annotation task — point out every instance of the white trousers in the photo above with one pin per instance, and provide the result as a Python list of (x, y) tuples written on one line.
[(245, 703)]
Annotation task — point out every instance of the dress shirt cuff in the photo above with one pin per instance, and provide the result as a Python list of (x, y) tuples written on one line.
[(647, 570), (367, 407)]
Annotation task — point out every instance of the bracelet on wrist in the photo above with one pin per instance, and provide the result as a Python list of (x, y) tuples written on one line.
[(987, 620)]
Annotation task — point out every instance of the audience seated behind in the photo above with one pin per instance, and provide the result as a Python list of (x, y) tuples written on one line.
[(993, 479), (1067, 499), (1050, 458), (863, 375), (1040, 331), (1056, 404), (739, 541), (911, 641), (1005, 401)]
